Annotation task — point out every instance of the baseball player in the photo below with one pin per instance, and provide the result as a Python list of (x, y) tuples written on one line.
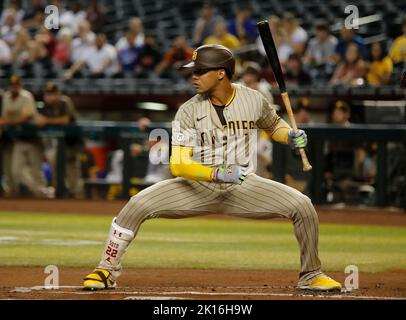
[(214, 167), (59, 110), (25, 161)]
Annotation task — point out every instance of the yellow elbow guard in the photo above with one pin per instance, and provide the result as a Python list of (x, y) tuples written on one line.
[(181, 165)]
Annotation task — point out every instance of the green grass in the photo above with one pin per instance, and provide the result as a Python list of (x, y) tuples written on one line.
[(77, 240)]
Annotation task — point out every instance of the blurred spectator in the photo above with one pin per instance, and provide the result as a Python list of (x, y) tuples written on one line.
[(45, 43), (294, 74), (251, 78), (278, 34), (295, 36), (58, 109), (143, 124), (149, 58), (243, 26), (101, 60), (83, 42), (32, 10), (25, 52), (63, 49), (96, 15), (340, 157), (88, 165), (34, 15), (128, 55), (302, 115), (321, 48), (352, 69), (135, 32), (223, 37), (175, 57), (73, 17), (348, 36), (205, 24), (341, 113), (14, 6), (46, 39), (348, 164), (10, 28), (27, 151), (398, 50), (380, 68), (5, 53)]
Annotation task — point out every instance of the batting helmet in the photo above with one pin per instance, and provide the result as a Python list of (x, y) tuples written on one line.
[(212, 56)]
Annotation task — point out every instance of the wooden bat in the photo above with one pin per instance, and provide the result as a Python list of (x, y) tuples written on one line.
[(272, 55)]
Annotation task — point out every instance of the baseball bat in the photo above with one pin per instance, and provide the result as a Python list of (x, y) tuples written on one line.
[(272, 55)]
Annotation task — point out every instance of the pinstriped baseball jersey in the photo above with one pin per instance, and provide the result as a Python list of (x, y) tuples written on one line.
[(221, 136), (213, 137), (198, 125)]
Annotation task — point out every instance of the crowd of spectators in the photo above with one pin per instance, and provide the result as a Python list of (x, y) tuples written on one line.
[(80, 48)]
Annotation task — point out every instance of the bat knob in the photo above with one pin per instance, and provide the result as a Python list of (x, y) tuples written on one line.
[(307, 168)]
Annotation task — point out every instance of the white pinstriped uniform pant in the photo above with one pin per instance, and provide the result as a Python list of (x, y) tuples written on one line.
[(255, 198)]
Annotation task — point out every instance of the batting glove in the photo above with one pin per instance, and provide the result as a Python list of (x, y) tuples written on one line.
[(232, 174), (297, 139)]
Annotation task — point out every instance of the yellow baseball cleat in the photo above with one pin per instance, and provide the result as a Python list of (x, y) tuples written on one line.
[(98, 279), (321, 283)]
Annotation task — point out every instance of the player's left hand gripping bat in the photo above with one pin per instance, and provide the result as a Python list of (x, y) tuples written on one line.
[(271, 53)]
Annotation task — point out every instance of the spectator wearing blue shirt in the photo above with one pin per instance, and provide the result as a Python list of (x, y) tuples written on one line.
[(128, 56), (243, 26), (348, 36)]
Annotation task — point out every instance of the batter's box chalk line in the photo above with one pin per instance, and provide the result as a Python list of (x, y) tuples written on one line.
[(167, 294), (42, 288)]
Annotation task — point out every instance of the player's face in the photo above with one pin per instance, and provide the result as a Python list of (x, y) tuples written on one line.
[(51, 97), (339, 116), (14, 89), (204, 80)]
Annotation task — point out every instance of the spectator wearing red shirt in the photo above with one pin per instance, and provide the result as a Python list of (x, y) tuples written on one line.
[(63, 49), (352, 69), (175, 57)]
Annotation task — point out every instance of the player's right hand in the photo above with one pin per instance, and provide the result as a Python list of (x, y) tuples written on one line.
[(232, 174)]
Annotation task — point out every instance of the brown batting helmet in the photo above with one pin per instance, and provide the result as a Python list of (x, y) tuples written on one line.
[(212, 56), (15, 80), (51, 87)]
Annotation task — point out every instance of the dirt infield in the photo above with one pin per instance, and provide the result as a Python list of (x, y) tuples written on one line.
[(347, 215), (26, 283)]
